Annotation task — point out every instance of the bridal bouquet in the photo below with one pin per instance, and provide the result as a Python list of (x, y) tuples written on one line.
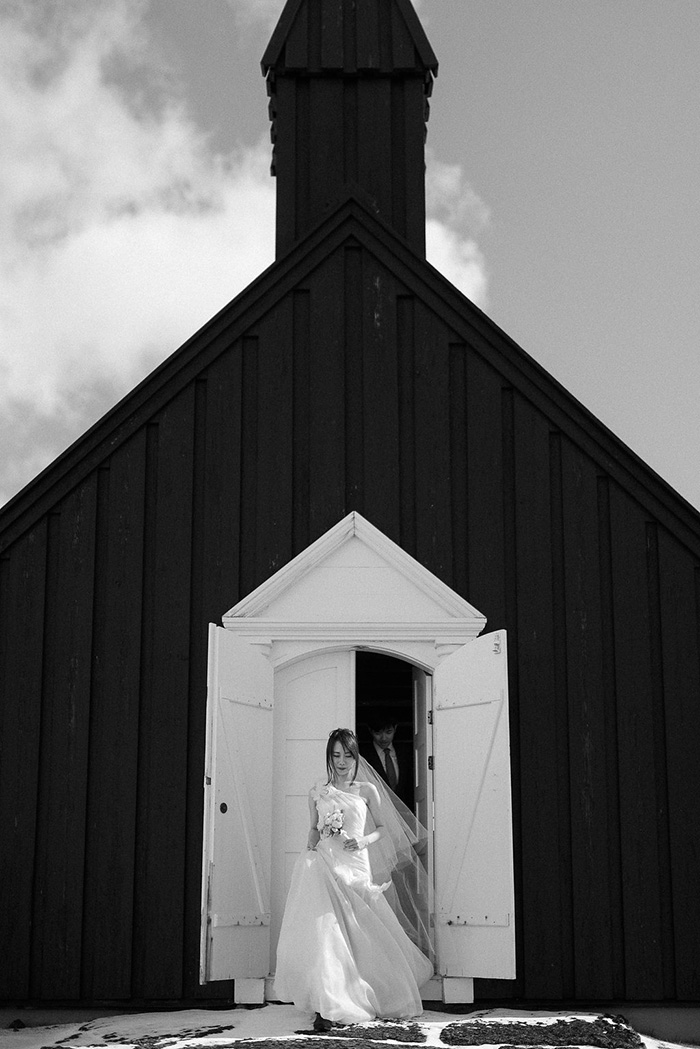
[(332, 823)]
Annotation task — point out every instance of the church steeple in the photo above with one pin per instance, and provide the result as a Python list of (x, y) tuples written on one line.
[(349, 83)]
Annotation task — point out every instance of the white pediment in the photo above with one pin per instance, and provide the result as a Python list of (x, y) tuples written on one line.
[(354, 576)]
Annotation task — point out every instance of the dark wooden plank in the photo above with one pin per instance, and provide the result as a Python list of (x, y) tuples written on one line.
[(248, 573), (679, 626), (296, 49), (459, 468), (332, 49), (380, 398), (326, 145), (368, 46), (509, 539), (351, 130), (661, 761), (406, 336), (60, 855), (432, 436), (22, 582), (219, 522), (354, 380), (587, 743), (302, 159), (374, 142), (634, 700), (327, 398), (544, 918), (561, 712), (349, 38), (386, 42), (485, 486), (114, 725), (607, 604), (301, 421), (275, 441), (403, 49), (164, 700), (399, 171), (314, 15), (215, 589)]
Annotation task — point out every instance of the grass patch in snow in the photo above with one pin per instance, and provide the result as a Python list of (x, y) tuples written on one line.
[(604, 1032)]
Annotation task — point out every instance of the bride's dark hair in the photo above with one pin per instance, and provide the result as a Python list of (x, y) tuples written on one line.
[(346, 738)]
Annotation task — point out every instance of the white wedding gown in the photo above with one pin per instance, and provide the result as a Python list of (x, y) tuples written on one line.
[(342, 952)]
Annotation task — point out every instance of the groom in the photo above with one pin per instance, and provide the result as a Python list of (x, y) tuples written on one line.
[(392, 760)]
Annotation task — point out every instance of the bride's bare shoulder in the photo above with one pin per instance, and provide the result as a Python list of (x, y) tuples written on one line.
[(367, 790)]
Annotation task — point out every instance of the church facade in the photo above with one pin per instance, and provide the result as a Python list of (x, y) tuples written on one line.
[(349, 378)]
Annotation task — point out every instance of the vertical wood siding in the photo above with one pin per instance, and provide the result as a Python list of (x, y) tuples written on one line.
[(114, 725), (22, 617), (318, 151), (349, 394)]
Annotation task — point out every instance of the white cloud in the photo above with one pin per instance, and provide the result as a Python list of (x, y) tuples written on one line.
[(124, 232), (455, 216)]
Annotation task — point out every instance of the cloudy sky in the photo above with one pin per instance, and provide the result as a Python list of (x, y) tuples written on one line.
[(135, 199)]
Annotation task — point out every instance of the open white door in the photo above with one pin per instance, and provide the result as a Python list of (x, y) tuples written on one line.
[(473, 819), (238, 810)]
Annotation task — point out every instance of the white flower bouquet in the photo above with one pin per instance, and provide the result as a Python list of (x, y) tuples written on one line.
[(332, 823)]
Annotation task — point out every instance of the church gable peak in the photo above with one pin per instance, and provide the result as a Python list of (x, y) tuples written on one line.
[(355, 574)]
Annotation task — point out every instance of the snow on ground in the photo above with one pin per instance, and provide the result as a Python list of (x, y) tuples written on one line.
[(209, 1029)]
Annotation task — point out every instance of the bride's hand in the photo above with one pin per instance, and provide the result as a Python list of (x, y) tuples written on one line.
[(355, 844)]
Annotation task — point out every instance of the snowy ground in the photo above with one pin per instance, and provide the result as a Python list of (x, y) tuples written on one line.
[(204, 1028)]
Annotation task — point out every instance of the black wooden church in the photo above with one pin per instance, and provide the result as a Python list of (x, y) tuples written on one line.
[(349, 377)]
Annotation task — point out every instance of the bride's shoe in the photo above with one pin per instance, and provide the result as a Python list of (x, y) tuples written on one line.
[(321, 1023)]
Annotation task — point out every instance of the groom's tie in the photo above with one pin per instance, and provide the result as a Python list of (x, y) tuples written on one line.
[(390, 768)]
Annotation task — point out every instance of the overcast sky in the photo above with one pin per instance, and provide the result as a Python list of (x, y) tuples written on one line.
[(135, 199)]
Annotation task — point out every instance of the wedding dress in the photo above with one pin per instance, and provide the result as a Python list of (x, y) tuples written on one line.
[(342, 950)]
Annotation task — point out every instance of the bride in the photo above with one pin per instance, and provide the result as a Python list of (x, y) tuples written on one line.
[(354, 937)]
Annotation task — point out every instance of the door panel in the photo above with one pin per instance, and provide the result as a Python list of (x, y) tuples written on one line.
[(238, 796), (422, 746), (473, 820)]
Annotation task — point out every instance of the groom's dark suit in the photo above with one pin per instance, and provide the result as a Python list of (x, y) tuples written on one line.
[(404, 760)]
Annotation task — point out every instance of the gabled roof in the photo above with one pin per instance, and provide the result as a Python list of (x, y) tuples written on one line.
[(377, 35), (380, 584), (352, 221)]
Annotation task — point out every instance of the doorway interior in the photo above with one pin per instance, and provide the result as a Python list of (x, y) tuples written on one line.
[(384, 694), (402, 693), (394, 691)]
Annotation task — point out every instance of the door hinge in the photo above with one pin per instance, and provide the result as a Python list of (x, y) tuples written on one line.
[(430, 717), (431, 762)]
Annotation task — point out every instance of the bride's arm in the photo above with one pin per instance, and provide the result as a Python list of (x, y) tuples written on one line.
[(371, 795), (314, 835)]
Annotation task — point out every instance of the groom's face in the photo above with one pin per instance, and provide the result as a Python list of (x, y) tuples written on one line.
[(384, 736)]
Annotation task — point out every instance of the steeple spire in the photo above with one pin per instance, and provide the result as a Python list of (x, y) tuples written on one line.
[(349, 82)]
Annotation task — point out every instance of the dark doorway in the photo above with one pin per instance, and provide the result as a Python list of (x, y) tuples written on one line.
[(384, 692)]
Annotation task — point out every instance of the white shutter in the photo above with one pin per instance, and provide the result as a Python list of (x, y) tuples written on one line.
[(237, 811), (473, 816)]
